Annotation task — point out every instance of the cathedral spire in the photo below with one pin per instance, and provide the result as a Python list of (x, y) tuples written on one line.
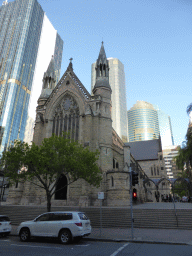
[(102, 70), (102, 55), (70, 66), (49, 80)]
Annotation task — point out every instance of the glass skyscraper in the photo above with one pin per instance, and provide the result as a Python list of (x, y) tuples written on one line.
[(27, 41), (143, 122), (118, 97), (165, 128)]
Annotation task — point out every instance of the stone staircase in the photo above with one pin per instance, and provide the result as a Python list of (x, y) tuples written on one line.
[(111, 217)]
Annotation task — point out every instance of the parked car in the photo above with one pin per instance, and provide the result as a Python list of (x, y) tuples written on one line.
[(5, 225), (66, 226)]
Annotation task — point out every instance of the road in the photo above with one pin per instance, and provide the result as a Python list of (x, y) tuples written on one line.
[(49, 247)]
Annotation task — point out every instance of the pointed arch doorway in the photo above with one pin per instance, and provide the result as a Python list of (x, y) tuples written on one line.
[(61, 188)]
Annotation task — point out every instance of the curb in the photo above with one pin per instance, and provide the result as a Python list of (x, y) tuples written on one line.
[(134, 241), (128, 241)]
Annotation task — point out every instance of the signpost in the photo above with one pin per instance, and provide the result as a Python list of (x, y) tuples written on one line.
[(100, 197)]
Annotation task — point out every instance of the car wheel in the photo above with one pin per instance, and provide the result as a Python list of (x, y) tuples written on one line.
[(24, 235), (65, 236)]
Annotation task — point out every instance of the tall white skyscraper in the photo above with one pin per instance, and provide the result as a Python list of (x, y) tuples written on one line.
[(119, 105), (165, 128)]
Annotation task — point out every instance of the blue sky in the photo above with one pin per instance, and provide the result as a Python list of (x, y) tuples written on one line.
[(152, 38)]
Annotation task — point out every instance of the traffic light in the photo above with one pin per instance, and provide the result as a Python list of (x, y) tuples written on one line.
[(134, 178), (134, 194)]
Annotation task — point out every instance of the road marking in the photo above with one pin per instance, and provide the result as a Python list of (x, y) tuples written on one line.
[(120, 249), (37, 246), (6, 240)]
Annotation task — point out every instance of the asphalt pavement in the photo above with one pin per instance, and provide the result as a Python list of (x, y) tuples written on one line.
[(142, 235)]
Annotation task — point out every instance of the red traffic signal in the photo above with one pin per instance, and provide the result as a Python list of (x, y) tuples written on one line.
[(134, 194)]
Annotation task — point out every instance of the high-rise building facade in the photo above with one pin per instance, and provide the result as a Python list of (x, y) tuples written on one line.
[(169, 152), (165, 128), (29, 130), (118, 98), (27, 42), (142, 122)]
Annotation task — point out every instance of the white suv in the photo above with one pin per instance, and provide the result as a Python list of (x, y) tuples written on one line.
[(64, 225), (5, 225)]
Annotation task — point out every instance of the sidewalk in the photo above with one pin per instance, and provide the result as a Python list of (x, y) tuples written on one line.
[(165, 236)]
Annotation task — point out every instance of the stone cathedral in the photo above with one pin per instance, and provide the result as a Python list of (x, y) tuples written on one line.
[(69, 107)]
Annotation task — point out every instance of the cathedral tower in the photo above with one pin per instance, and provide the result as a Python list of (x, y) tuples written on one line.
[(49, 81), (102, 86)]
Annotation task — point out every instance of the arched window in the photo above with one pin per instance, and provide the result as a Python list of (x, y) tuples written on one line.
[(154, 171), (100, 68), (112, 181), (151, 171), (66, 118), (157, 170), (115, 164), (104, 70)]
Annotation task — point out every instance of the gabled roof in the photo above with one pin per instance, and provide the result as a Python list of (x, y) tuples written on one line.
[(71, 73), (145, 150)]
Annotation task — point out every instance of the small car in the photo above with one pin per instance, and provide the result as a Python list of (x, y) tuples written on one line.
[(5, 225), (67, 226)]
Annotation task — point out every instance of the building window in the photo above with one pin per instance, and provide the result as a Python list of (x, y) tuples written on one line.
[(112, 181), (151, 171), (157, 170), (113, 163), (66, 118), (162, 168)]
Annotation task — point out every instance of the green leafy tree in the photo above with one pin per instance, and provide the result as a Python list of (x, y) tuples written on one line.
[(184, 157), (43, 165)]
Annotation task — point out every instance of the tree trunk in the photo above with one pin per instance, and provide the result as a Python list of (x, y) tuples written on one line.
[(48, 201)]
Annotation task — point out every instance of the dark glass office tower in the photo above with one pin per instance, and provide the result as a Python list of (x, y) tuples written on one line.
[(24, 30)]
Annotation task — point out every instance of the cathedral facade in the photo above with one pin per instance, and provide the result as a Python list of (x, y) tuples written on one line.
[(69, 107)]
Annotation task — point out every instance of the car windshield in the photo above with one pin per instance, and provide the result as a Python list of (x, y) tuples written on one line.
[(4, 218)]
